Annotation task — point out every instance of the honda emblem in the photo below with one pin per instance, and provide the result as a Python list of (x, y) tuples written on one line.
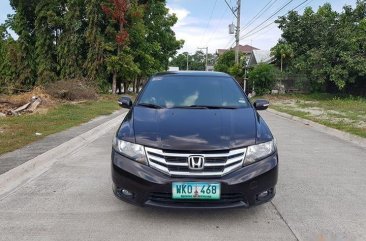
[(196, 162)]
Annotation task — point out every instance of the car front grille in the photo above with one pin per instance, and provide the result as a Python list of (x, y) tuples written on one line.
[(225, 198), (216, 164)]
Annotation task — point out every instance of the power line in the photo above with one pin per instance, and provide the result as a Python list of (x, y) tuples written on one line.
[(279, 10), (209, 21), (217, 26), (251, 33), (230, 43), (259, 14), (266, 26)]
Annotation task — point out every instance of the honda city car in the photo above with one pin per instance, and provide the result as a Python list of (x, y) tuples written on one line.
[(194, 140)]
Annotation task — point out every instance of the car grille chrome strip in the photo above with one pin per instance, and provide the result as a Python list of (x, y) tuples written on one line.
[(176, 164)]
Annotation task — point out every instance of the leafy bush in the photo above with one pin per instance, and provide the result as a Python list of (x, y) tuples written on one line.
[(264, 78), (226, 63), (71, 90)]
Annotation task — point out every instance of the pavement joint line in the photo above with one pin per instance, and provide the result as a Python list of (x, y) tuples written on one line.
[(283, 219), (8, 193), (19, 156), (28, 171), (357, 140)]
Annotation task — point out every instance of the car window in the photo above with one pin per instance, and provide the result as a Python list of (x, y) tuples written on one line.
[(188, 91)]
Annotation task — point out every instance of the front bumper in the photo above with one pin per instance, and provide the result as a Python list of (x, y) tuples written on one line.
[(149, 187)]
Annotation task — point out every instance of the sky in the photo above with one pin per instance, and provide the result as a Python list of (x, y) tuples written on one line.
[(204, 23)]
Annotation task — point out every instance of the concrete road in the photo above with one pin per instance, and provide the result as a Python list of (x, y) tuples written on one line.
[(321, 195)]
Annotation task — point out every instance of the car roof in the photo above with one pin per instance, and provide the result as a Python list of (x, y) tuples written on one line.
[(193, 73)]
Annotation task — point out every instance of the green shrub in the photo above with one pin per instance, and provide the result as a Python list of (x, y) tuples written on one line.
[(264, 78)]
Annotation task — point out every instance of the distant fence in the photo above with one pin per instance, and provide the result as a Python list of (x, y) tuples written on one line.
[(295, 82)]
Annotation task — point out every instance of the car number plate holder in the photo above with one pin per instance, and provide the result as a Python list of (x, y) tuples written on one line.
[(196, 190)]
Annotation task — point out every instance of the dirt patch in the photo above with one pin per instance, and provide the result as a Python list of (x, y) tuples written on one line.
[(11, 102), (334, 112), (72, 90), (314, 111), (321, 114), (291, 103), (309, 102), (336, 120), (5, 106), (360, 124)]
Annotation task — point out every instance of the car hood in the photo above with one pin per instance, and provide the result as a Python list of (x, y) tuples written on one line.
[(192, 129)]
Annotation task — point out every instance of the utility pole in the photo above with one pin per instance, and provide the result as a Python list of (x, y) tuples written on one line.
[(187, 61), (206, 57), (237, 31), (236, 13)]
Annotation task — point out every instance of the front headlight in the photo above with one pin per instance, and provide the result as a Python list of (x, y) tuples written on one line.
[(133, 151), (258, 152)]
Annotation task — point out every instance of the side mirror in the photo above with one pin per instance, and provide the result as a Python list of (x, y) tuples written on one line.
[(125, 102), (261, 104)]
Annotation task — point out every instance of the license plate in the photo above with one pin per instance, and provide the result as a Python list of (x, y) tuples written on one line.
[(196, 190)]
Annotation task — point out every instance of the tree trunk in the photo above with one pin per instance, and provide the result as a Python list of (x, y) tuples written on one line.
[(138, 83), (119, 86), (119, 49), (125, 87), (114, 83)]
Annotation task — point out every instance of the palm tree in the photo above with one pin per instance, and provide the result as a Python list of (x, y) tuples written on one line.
[(283, 52)]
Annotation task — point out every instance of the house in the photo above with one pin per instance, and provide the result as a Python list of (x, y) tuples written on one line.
[(245, 49), (173, 68), (210, 68), (260, 56)]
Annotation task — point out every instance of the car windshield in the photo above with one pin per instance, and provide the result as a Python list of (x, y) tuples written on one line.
[(192, 92)]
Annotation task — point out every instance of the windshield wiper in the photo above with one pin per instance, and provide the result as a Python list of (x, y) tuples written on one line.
[(213, 107), (205, 107), (149, 105), (190, 107)]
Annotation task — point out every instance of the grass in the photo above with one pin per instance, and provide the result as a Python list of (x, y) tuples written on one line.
[(16, 132), (345, 113)]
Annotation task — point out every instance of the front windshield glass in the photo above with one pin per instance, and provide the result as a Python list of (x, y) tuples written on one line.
[(193, 91)]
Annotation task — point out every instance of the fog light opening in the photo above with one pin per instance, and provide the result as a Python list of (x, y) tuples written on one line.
[(125, 193), (265, 195)]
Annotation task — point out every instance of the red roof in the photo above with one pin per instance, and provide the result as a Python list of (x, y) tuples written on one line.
[(247, 49)]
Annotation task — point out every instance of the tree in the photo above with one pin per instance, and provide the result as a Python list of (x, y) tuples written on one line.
[(226, 63), (263, 77), (117, 11), (282, 52), (143, 49), (47, 28), (100, 40), (95, 42), (328, 46), (161, 37), (71, 50), (123, 64), (23, 24), (7, 66), (180, 61)]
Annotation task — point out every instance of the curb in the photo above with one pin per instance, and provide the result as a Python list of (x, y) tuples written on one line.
[(328, 130), (38, 165)]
